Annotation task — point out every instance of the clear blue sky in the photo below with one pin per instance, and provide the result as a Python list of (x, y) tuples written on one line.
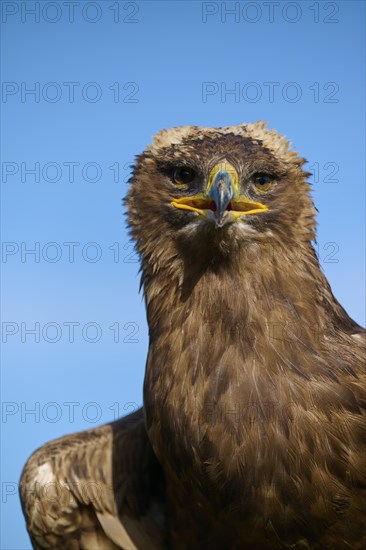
[(106, 78)]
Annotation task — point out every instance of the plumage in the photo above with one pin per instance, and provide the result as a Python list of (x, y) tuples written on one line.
[(100, 489), (253, 428)]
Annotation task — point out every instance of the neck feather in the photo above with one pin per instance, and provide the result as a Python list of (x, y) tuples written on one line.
[(248, 331)]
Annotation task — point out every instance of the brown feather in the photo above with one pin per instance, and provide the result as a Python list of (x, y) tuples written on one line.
[(254, 395), (75, 486), (254, 388)]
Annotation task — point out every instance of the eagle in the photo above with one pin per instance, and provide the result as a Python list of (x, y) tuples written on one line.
[(252, 433)]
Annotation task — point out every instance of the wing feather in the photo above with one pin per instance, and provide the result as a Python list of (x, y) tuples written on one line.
[(100, 489)]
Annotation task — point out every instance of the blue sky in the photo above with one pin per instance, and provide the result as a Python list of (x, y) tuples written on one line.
[(105, 79)]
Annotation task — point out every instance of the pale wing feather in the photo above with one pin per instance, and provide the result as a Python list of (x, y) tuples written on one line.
[(79, 491)]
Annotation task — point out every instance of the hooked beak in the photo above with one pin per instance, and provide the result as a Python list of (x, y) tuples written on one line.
[(221, 201)]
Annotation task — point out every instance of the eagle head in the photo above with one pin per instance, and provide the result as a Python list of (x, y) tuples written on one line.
[(212, 189)]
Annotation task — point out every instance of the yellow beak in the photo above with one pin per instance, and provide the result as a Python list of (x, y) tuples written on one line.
[(221, 201)]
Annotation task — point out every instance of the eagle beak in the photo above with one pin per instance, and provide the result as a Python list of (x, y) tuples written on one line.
[(221, 201), (221, 191)]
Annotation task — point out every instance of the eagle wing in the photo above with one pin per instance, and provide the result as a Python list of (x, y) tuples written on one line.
[(102, 488)]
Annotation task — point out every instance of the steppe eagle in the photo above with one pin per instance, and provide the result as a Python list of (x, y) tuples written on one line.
[(252, 434)]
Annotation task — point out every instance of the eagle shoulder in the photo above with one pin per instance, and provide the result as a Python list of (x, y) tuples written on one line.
[(88, 490)]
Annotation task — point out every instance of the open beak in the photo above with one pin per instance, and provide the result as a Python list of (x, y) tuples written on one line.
[(221, 201)]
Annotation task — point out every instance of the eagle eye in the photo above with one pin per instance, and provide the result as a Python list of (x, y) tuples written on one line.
[(183, 175), (262, 182)]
